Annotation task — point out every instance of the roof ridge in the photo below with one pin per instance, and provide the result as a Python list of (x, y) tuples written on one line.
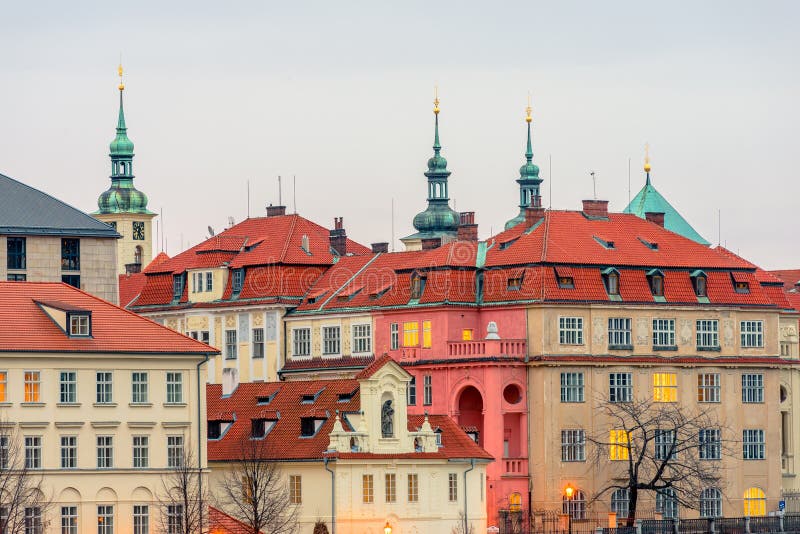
[(288, 238), (349, 280)]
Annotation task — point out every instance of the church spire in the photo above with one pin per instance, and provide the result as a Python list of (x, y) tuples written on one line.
[(528, 177), (647, 161)]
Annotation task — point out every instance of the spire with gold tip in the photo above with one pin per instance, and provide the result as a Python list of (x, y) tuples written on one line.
[(647, 161), (528, 177)]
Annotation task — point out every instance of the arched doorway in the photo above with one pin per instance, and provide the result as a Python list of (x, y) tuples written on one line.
[(470, 412)]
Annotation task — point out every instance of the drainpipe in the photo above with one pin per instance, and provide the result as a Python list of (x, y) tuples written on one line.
[(199, 437), (333, 494), (471, 467)]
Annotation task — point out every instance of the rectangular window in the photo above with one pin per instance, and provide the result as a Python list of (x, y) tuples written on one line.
[(69, 520), (391, 487), (665, 445), (753, 444), (15, 277), (707, 334), (238, 280), (413, 487), (105, 519), (467, 334), (752, 388), (230, 344), (141, 519), (73, 280), (452, 487), (427, 390), (367, 490), (619, 332), (33, 520), (620, 387), (4, 455), (174, 387), (177, 286), (69, 452), (301, 342), (3, 386), (32, 386), (104, 387), (68, 387), (105, 452), (15, 248), (708, 388), (139, 394), (174, 452), (33, 452), (141, 452), (394, 334), (665, 387), (426, 334), (258, 342), (411, 399), (571, 387), (573, 446), (411, 334), (174, 519), (295, 489), (752, 333), (618, 445), (710, 444), (362, 339), (209, 281), (570, 330), (79, 325), (331, 339), (663, 333), (70, 254)]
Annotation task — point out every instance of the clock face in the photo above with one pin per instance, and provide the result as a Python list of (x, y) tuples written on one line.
[(138, 230)]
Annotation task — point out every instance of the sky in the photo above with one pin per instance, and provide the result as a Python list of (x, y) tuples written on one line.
[(339, 96)]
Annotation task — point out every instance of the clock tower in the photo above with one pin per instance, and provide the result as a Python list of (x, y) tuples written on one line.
[(123, 206)]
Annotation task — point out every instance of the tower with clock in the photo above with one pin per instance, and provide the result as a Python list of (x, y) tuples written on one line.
[(123, 206)]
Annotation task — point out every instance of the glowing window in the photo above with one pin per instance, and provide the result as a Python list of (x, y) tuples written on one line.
[(665, 387)]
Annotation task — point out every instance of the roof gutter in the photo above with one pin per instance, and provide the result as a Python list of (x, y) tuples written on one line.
[(333, 494), (200, 434), (471, 467)]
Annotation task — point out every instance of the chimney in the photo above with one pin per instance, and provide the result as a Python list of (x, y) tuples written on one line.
[(274, 211), (467, 229), (430, 243), (230, 380), (655, 217), (338, 237), (595, 208), (380, 247), (533, 215)]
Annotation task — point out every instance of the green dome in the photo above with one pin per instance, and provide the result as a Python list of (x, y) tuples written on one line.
[(121, 145), (121, 199), (437, 164), (528, 171), (437, 218)]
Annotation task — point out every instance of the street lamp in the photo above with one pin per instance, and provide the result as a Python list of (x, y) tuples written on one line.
[(387, 529), (569, 491)]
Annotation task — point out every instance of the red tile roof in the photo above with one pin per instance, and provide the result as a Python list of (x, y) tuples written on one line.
[(315, 364), (27, 327), (130, 285), (222, 523), (789, 277)]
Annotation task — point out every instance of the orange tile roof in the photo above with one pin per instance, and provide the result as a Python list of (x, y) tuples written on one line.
[(130, 285), (222, 523)]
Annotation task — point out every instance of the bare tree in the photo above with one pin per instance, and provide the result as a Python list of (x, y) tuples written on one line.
[(254, 491), (183, 499), (462, 527), (662, 448), (23, 503)]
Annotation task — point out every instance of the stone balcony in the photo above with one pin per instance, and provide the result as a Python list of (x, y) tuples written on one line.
[(515, 467)]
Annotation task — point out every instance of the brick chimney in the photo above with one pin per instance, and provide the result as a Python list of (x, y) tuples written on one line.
[(533, 215), (338, 237), (655, 217), (380, 247), (595, 208), (274, 211), (430, 243), (467, 229)]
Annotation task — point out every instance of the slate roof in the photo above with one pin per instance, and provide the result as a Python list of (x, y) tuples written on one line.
[(28, 211)]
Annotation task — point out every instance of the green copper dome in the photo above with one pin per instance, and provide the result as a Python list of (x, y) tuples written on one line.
[(437, 218), (528, 182), (120, 199)]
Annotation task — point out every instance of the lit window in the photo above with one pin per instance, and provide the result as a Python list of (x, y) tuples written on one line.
[(619, 333), (755, 502), (79, 325), (413, 487), (426, 334), (331, 340), (573, 446), (452, 487), (139, 387), (32, 386), (572, 387), (710, 444), (69, 452), (620, 387), (104, 387), (301, 342), (711, 503), (3, 386), (665, 387), (68, 387), (620, 501), (753, 444), (105, 452), (752, 334), (174, 452), (391, 487), (619, 445), (570, 330), (466, 334), (367, 489), (411, 334), (708, 388), (230, 345), (707, 334), (663, 334), (427, 390), (295, 489), (752, 388), (362, 338), (394, 334), (141, 452)]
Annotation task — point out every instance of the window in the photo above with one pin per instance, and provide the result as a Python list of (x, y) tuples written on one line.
[(362, 338), (139, 393), (410, 334), (177, 286), (394, 335), (367, 490), (411, 399), (260, 427), (32, 386), (69, 452), (238, 280), (710, 446), (3, 386), (174, 387), (426, 334), (68, 390), (619, 333), (33, 452), (331, 339), (105, 519), (309, 426), (711, 503), (467, 334), (753, 444), (174, 519), (301, 342), (618, 445), (663, 333), (209, 281), (391, 487), (16, 277), (73, 280), (295, 489), (707, 334), (665, 445), (755, 502), (4, 454), (141, 519), (514, 284), (413, 487), (619, 502), (656, 280), (576, 506), (15, 248), (752, 333), (452, 487), (427, 390), (620, 387), (708, 387), (612, 283), (3, 520), (104, 387), (417, 286), (70, 255), (667, 503), (69, 520), (573, 446), (141, 452), (105, 452), (230, 344), (566, 282), (258, 342), (700, 283), (741, 287), (752, 388), (665, 387), (33, 520), (571, 387), (570, 330), (79, 325), (174, 452)]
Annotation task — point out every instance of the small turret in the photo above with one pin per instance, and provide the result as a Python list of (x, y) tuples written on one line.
[(528, 178)]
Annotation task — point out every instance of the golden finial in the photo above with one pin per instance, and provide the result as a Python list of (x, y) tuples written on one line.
[(435, 99), (119, 71), (528, 110), (647, 158)]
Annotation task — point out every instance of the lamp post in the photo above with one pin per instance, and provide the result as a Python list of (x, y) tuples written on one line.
[(569, 491), (387, 529)]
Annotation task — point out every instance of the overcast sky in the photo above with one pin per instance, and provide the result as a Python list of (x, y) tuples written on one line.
[(339, 94)]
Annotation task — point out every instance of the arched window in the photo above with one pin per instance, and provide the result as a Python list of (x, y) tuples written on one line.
[(755, 502), (417, 445), (514, 502), (576, 507), (137, 255), (711, 503), (619, 502), (354, 445), (666, 503)]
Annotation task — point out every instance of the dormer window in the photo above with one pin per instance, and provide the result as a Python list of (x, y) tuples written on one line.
[(565, 278), (514, 284), (611, 280), (741, 282), (656, 280), (417, 286), (177, 286), (259, 428), (609, 245), (309, 426), (699, 282), (438, 433), (238, 280), (309, 398), (80, 324), (217, 428), (266, 399)]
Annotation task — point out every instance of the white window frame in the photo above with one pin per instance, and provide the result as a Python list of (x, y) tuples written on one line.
[(707, 334), (394, 336), (619, 332), (69, 519), (570, 330), (301, 344), (105, 452), (710, 441), (175, 451), (753, 444), (141, 519), (411, 392), (752, 334), (104, 388), (427, 390), (330, 342), (69, 451), (573, 445), (231, 344), (711, 503), (174, 387), (452, 487), (79, 325), (140, 393), (141, 451), (35, 383), (33, 452), (572, 387), (663, 440), (620, 387), (105, 519), (708, 387), (752, 388), (362, 338), (67, 387), (258, 343), (663, 332)]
